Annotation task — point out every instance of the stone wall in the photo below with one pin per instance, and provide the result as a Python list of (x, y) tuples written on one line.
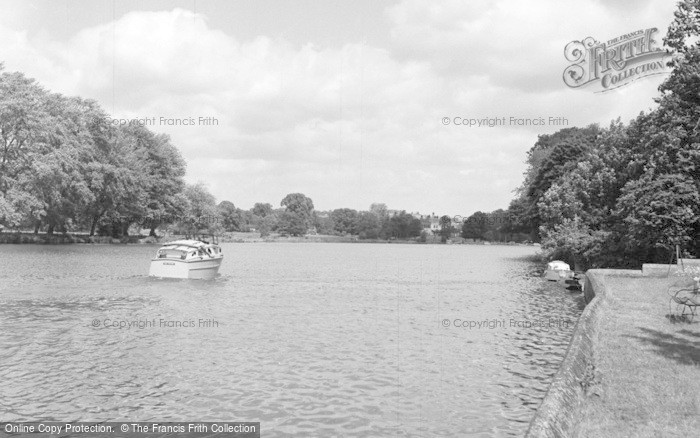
[(557, 415)]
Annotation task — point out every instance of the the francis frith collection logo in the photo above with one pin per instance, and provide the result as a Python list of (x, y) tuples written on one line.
[(605, 66)]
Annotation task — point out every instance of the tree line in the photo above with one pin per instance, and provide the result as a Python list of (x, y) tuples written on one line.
[(629, 193), (596, 197), (296, 216), (64, 167)]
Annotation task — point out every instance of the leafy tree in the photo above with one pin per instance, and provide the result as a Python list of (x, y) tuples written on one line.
[(57, 173), (230, 216), (476, 226), (298, 203), (660, 212), (163, 179), (369, 225), (266, 224), (247, 220), (298, 214), (345, 220), (25, 135), (446, 229), (635, 194), (379, 210), (23, 126), (293, 223), (201, 214), (682, 35), (574, 242), (115, 174), (552, 156), (520, 219), (262, 210), (323, 223), (404, 225)]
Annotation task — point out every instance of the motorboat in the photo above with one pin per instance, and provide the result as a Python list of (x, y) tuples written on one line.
[(558, 271), (188, 258)]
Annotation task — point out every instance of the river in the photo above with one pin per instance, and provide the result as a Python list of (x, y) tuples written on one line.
[(309, 339)]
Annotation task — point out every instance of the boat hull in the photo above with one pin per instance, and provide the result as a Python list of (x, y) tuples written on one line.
[(204, 269), (558, 274)]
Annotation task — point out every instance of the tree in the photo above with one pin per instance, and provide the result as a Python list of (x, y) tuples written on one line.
[(63, 166), (39, 153), (446, 229), (552, 156), (520, 218), (476, 226), (378, 209), (683, 32), (660, 212), (115, 174), (345, 220), (230, 216), (298, 214), (266, 224), (574, 242), (262, 210), (635, 195), (293, 223), (298, 203), (323, 222), (57, 176), (163, 179), (404, 225), (23, 126), (369, 225), (201, 214)]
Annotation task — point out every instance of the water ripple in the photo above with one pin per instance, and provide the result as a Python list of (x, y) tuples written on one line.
[(310, 339)]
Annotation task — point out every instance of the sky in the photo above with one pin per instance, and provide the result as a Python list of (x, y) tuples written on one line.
[(342, 101)]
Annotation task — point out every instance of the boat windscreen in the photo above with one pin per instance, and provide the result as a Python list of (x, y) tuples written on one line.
[(171, 253)]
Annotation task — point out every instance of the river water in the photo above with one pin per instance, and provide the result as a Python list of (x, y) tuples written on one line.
[(309, 339)]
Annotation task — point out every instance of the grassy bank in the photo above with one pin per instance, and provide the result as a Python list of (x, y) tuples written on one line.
[(646, 381)]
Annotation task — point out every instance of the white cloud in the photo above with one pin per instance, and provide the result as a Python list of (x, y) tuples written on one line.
[(346, 125)]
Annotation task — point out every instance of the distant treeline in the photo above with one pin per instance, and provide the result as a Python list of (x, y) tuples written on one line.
[(296, 218), (627, 194), (596, 197), (65, 167)]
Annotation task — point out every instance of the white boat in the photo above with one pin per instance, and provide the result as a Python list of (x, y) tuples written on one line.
[(558, 270), (187, 259)]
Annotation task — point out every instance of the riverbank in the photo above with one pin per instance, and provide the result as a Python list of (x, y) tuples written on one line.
[(228, 237), (60, 239), (631, 368)]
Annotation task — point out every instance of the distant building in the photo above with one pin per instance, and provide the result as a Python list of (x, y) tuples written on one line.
[(436, 227), (417, 215), (435, 223), (457, 223)]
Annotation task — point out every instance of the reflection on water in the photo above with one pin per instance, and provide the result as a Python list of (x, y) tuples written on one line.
[(310, 339)]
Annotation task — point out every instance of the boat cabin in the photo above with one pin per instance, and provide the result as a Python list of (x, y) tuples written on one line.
[(187, 250)]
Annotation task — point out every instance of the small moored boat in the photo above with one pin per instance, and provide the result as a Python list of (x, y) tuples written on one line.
[(558, 270), (187, 259)]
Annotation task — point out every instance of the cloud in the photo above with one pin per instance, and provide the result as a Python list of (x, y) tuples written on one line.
[(347, 125), (513, 44)]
